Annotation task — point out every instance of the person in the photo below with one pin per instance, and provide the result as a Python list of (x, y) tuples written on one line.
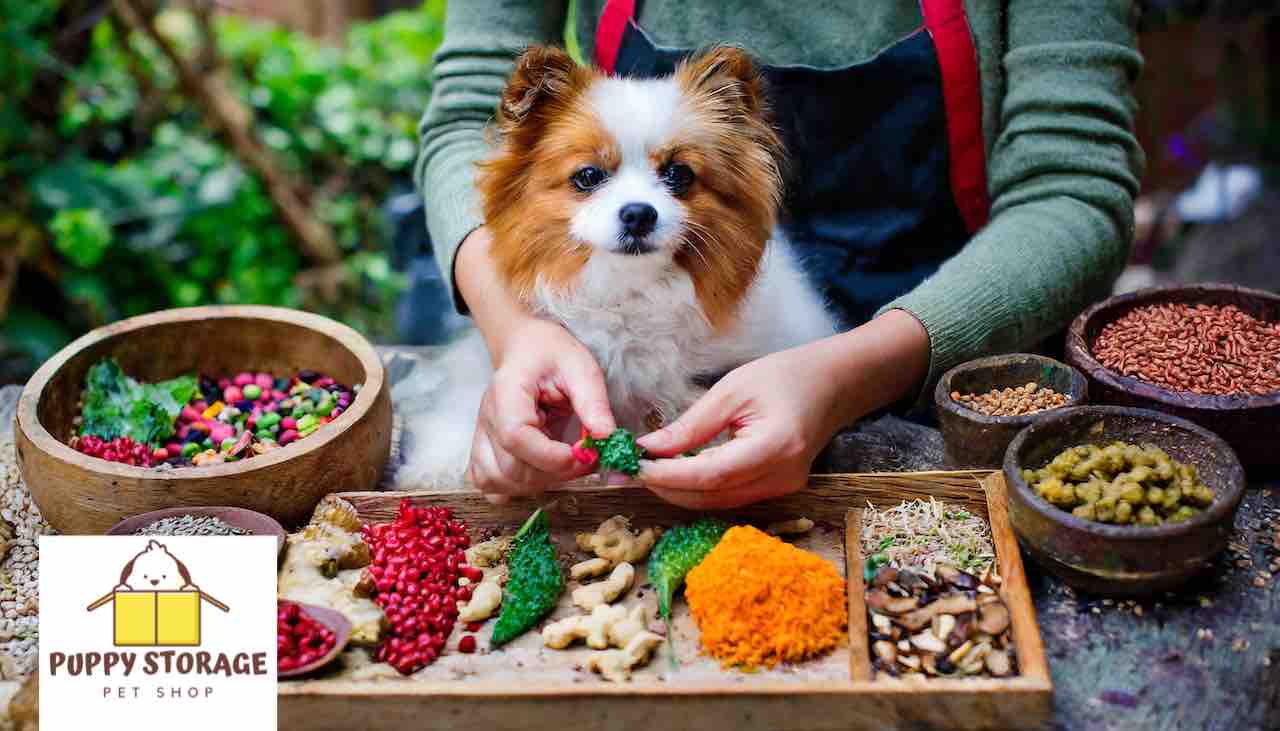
[(961, 182)]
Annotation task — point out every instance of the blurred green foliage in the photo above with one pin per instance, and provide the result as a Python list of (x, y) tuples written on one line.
[(121, 200)]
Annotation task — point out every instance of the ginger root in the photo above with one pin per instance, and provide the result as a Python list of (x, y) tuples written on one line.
[(793, 527), (589, 569), (606, 625), (603, 592), (615, 542), (616, 665), (485, 598), (489, 553)]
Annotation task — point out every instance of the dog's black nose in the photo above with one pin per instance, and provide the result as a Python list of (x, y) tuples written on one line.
[(638, 219)]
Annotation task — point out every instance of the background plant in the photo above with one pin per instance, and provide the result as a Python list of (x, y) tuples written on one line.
[(122, 198)]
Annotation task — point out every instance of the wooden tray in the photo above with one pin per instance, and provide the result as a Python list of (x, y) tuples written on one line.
[(547, 691)]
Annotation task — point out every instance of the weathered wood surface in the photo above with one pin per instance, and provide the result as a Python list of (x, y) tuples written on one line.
[(1112, 667)]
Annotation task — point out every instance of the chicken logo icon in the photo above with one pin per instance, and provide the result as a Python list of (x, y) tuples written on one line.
[(156, 602)]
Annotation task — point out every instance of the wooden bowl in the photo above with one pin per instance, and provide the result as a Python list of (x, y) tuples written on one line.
[(973, 439), (1122, 560), (337, 623), (251, 520), (1248, 423), (81, 494)]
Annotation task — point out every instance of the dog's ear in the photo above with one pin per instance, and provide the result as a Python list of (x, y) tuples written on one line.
[(543, 74), (727, 76)]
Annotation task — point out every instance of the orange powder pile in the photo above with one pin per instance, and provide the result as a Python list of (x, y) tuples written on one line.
[(760, 601)]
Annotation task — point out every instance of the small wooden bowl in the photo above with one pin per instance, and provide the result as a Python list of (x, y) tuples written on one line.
[(1122, 560), (1248, 423), (973, 439), (337, 623), (77, 493), (251, 520)]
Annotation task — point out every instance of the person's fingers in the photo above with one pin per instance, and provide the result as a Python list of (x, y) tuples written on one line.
[(514, 422), (707, 417), (719, 468), (735, 497), (584, 383)]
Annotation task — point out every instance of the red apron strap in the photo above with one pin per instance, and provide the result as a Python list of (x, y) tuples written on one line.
[(962, 95), (613, 23)]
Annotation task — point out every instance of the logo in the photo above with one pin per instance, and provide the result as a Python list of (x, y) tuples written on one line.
[(156, 602), (138, 632)]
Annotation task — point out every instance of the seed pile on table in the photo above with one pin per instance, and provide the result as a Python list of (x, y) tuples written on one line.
[(1121, 483), (758, 600), (189, 421), (300, 639), (1013, 401), (418, 560), (1206, 349), (19, 571), (928, 617), (191, 525)]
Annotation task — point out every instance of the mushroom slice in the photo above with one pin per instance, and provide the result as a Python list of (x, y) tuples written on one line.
[(998, 664), (928, 642), (993, 618), (949, 604), (880, 601)]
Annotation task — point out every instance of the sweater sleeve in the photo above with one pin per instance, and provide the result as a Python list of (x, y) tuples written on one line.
[(1063, 173), (482, 39)]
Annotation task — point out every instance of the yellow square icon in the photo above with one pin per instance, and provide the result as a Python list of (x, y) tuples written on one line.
[(135, 618), (178, 618)]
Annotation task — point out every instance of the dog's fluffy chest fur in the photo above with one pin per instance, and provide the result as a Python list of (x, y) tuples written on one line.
[(652, 339)]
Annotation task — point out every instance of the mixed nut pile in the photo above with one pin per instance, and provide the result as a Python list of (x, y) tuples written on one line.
[(1014, 401), (1206, 349), (949, 624)]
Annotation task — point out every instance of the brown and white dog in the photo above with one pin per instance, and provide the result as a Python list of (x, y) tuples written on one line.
[(641, 215)]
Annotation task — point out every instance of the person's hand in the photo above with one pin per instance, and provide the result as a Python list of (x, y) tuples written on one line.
[(781, 410), (543, 376)]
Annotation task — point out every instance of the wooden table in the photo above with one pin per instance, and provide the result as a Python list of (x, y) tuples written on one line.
[(1206, 658)]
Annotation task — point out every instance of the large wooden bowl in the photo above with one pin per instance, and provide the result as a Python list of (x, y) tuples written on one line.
[(973, 439), (1248, 423), (81, 494), (1121, 560)]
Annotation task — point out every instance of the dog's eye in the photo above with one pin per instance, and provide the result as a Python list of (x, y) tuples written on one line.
[(588, 179), (678, 177)]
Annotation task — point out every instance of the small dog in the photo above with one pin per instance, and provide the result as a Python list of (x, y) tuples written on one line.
[(641, 215)]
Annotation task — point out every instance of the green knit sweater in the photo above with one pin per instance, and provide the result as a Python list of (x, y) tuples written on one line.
[(1058, 116)]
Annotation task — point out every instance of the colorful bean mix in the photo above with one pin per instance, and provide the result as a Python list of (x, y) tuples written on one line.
[(236, 418), (1018, 401), (300, 640), (1205, 349), (417, 561)]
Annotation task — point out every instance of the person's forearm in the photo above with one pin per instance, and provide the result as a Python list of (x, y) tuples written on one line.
[(495, 312), (874, 365)]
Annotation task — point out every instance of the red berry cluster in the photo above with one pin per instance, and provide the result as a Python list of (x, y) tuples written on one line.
[(120, 449), (300, 640), (417, 559)]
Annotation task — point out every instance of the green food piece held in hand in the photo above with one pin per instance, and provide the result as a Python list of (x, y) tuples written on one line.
[(536, 582), (616, 453), (677, 553)]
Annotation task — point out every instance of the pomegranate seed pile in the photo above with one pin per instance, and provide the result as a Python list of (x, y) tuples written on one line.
[(300, 640), (1206, 349), (121, 449), (417, 561)]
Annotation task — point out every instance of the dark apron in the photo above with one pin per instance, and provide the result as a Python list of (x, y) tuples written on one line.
[(887, 172)]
